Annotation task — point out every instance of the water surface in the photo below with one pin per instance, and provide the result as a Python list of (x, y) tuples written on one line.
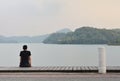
[(59, 55)]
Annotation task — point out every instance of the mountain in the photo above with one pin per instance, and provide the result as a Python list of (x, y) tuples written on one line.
[(65, 30), (23, 39), (28, 39), (82, 35), (85, 35)]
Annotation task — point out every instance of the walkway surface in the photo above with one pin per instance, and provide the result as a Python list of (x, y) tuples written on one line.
[(59, 76), (59, 69), (59, 73)]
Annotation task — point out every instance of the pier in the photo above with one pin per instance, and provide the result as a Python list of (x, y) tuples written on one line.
[(80, 69), (101, 68), (102, 72)]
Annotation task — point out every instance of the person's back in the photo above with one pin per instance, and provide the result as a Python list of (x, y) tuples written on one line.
[(25, 59)]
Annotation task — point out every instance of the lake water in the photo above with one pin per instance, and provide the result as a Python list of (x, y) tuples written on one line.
[(59, 55)]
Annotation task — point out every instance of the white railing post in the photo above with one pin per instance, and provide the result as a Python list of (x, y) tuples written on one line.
[(102, 60)]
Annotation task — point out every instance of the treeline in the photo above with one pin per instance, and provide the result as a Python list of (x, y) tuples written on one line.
[(86, 35)]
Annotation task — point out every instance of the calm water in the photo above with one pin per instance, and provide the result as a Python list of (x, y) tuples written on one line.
[(59, 55)]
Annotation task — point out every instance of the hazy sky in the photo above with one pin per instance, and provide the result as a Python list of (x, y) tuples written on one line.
[(36, 17)]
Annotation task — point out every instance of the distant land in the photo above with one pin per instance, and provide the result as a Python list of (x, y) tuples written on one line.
[(28, 39), (86, 35), (82, 35), (65, 30)]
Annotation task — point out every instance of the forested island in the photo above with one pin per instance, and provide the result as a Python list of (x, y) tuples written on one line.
[(85, 35)]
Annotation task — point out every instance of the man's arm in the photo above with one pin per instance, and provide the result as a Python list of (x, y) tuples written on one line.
[(20, 60), (30, 60)]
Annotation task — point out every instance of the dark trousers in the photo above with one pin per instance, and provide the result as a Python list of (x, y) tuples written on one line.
[(25, 65)]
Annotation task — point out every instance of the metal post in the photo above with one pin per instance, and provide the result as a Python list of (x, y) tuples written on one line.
[(102, 60)]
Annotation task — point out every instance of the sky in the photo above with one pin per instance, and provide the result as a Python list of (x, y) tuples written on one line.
[(38, 17)]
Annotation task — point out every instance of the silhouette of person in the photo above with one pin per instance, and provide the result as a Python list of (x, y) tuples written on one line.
[(25, 57)]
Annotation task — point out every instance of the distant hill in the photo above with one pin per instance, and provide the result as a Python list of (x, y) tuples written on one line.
[(65, 30), (6, 40), (85, 35), (23, 39), (82, 35), (28, 39)]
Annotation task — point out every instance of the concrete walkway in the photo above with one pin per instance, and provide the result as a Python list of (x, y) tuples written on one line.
[(82, 69), (59, 77), (58, 74)]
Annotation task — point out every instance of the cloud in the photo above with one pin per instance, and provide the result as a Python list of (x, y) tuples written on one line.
[(17, 8), (50, 7), (21, 15), (31, 7), (40, 15)]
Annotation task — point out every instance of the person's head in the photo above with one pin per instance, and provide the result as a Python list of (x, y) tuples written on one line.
[(24, 47)]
